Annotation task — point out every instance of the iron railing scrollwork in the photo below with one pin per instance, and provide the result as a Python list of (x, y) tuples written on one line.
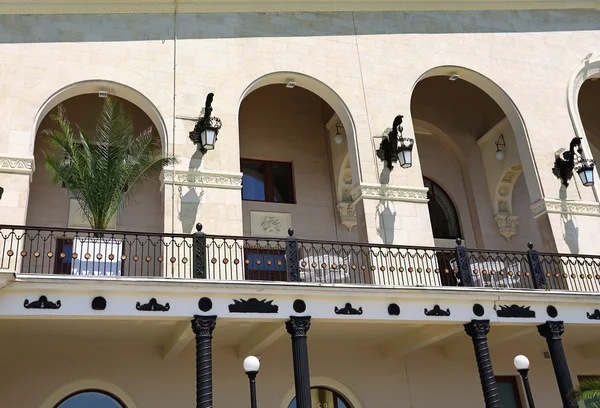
[(80, 252)]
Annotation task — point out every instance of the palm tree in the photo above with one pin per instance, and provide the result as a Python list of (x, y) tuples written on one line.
[(102, 171), (589, 392)]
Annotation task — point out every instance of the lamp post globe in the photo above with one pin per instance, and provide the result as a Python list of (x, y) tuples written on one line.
[(522, 365), (251, 367)]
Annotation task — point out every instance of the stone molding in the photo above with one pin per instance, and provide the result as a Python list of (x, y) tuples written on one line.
[(196, 6), (202, 179), (18, 165), (549, 205), (390, 193), (507, 225), (347, 213)]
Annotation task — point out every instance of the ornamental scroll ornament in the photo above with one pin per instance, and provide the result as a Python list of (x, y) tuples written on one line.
[(298, 326), (347, 213), (507, 225), (551, 330), (203, 326)]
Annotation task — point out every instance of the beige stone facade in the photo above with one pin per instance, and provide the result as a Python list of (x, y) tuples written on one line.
[(287, 78)]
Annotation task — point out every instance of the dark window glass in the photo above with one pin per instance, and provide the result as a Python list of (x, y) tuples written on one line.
[(90, 399), (443, 215), (267, 181), (324, 398), (263, 264), (64, 253), (508, 392)]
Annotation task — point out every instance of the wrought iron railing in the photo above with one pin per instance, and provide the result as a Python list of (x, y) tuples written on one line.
[(40, 250)]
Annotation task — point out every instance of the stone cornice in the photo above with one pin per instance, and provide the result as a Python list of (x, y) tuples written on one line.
[(18, 165), (548, 205), (204, 6), (390, 193), (202, 179)]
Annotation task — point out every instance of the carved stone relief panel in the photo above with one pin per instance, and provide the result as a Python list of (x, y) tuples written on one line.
[(270, 224)]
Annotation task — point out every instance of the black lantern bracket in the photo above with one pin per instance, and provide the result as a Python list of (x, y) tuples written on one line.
[(206, 123), (573, 159), (396, 148)]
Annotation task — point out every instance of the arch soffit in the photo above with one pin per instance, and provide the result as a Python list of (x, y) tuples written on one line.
[(113, 88), (510, 110), (88, 384), (322, 90), (325, 382)]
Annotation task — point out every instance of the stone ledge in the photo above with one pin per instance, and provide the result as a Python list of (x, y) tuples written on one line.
[(390, 193), (18, 165), (207, 6), (202, 179), (553, 206)]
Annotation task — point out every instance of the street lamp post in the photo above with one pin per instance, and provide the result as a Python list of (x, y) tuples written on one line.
[(522, 365), (251, 366)]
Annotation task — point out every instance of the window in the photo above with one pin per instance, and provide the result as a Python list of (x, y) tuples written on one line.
[(267, 181), (443, 215), (508, 391), (265, 264), (325, 398), (583, 378), (90, 399)]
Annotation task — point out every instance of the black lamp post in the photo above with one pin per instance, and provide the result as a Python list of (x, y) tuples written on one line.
[(395, 148), (251, 366), (522, 365), (565, 164), (207, 128)]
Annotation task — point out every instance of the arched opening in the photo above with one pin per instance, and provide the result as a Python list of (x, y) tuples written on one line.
[(52, 205), (325, 398), (294, 159), (460, 123), (91, 399), (587, 101), (442, 212)]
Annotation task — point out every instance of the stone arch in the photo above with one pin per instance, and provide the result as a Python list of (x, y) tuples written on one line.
[(512, 113), (458, 154), (326, 382), (112, 88), (95, 384), (589, 68), (326, 93)]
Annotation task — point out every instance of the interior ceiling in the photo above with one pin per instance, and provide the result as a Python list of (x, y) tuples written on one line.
[(589, 95), (457, 107)]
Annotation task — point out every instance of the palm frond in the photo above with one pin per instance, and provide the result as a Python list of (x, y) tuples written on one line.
[(102, 171), (589, 391)]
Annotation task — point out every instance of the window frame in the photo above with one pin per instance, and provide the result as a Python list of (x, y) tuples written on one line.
[(436, 186), (269, 185), (516, 389), (88, 390), (269, 275)]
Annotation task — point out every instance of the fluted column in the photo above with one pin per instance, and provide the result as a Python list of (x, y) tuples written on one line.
[(297, 327), (552, 331), (478, 330), (203, 327)]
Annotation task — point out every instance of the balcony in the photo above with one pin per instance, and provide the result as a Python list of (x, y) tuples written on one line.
[(84, 252)]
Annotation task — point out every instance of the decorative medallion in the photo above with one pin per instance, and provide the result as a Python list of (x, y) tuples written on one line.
[(478, 310), (42, 303), (299, 306), (98, 303), (594, 316), (437, 311), (253, 305), (515, 311), (205, 304), (394, 309), (348, 310), (552, 311), (153, 306)]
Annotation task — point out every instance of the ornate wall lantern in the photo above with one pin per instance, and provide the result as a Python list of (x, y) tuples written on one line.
[(395, 148), (207, 128), (566, 163)]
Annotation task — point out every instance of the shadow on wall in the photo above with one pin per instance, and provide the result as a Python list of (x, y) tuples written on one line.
[(190, 201), (570, 230), (386, 220)]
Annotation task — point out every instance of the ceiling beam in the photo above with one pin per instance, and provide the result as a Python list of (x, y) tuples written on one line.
[(181, 336), (460, 348), (417, 339), (259, 339)]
